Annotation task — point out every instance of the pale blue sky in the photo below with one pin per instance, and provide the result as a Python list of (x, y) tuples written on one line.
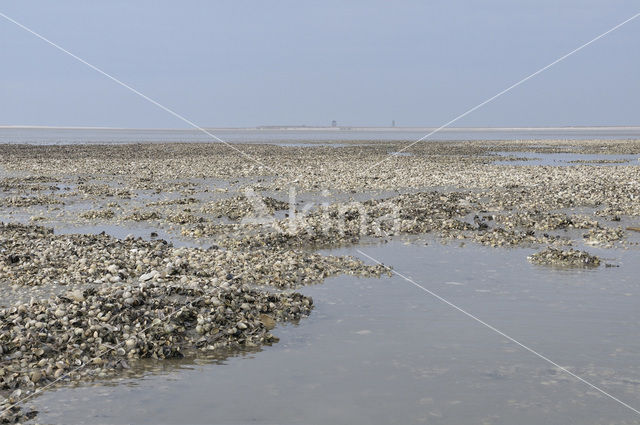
[(249, 63)]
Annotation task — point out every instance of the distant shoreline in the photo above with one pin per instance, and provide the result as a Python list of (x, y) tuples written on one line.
[(344, 128)]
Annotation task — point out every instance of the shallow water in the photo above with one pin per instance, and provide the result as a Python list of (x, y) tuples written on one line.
[(292, 137), (383, 351), (566, 159)]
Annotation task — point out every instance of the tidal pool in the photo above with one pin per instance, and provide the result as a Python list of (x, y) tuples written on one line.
[(565, 159), (382, 351)]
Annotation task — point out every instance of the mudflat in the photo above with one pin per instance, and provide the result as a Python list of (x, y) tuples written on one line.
[(113, 254)]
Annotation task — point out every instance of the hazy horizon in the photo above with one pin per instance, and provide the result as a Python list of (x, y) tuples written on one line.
[(230, 65), (313, 127), (323, 128)]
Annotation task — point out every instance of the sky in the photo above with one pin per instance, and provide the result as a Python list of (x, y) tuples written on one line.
[(362, 63)]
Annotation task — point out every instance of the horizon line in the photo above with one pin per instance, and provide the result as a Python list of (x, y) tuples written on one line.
[(321, 128)]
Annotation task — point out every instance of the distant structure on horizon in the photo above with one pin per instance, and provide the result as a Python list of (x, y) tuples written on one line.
[(393, 123), (334, 123)]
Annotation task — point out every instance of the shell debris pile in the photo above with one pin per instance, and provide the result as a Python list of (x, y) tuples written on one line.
[(568, 258), (238, 238)]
